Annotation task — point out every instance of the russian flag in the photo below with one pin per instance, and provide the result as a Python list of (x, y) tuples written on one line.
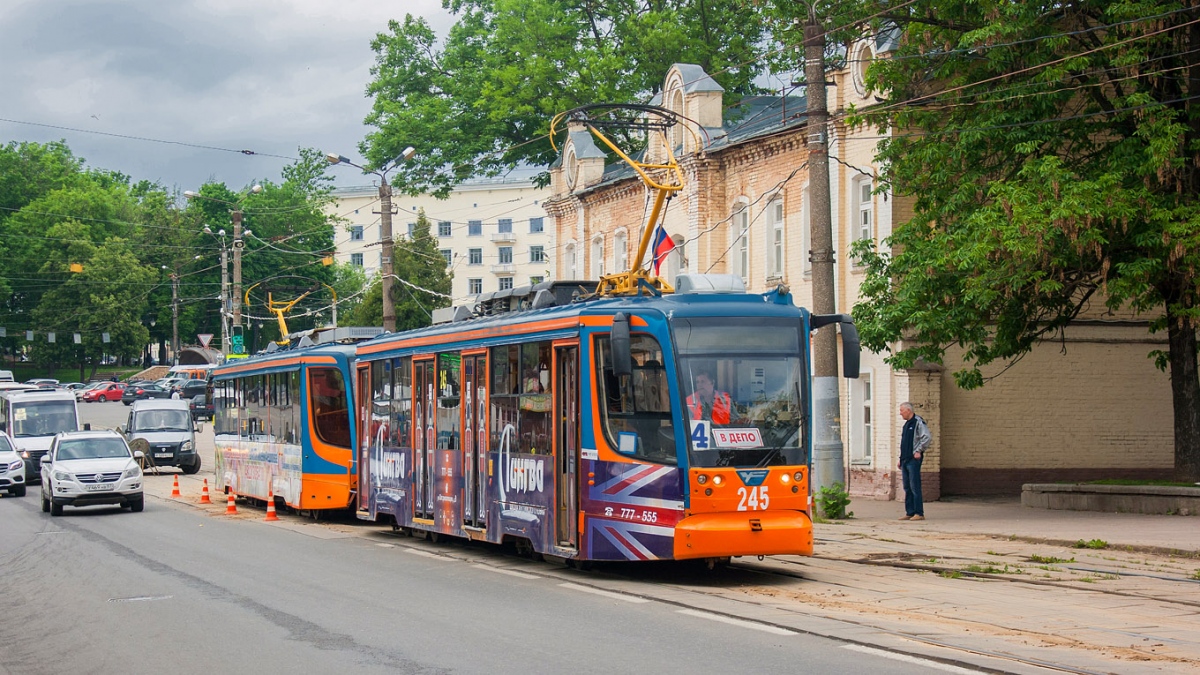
[(662, 246)]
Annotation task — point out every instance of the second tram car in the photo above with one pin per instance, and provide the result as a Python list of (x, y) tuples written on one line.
[(644, 427)]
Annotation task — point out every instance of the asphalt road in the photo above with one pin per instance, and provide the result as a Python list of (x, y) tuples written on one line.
[(178, 589)]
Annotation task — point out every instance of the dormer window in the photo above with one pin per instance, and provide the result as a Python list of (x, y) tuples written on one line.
[(570, 168), (862, 59)]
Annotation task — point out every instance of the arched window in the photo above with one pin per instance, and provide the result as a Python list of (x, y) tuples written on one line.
[(597, 259), (675, 263), (739, 239), (569, 270), (620, 252)]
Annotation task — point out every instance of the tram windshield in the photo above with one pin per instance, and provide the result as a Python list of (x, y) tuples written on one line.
[(742, 385)]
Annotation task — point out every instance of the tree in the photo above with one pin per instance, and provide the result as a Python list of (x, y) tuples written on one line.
[(423, 284), (1053, 153), (482, 101)]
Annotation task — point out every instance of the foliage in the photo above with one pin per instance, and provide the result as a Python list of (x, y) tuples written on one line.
[(417, 261), (481, 101), (1049, 559), (1091, 543), (1049, 150), (832, 501)]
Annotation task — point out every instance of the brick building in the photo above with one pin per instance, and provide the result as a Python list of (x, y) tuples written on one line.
[(1089, 405)]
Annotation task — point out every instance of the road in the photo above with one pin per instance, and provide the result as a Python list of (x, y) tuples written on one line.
[(183, 589)]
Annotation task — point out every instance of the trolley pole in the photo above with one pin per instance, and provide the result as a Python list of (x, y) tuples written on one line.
[(828, 465)]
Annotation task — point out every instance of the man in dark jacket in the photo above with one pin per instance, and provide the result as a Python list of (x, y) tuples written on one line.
[(914, 440)]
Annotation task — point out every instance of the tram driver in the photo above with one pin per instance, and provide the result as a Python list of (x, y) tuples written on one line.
[(706, 402)]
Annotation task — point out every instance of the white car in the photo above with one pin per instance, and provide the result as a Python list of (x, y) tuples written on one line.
[(12, 468), (84, 468)]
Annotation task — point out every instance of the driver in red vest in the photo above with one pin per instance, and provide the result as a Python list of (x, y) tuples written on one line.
[(706, 403)]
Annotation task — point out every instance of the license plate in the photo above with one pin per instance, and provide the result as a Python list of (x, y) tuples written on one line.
[(100, 487), (159, 455)]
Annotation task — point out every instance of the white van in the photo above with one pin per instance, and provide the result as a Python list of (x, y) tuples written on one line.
[(6, 376), (163, 429), (32, 417)]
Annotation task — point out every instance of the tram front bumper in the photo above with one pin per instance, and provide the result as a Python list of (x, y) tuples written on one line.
[(718, 535)]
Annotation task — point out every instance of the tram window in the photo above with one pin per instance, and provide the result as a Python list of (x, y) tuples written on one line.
[(448, 402), (294, 399), (638, 404), (327, 399), (401, 425), (535, 401), (380, 402)]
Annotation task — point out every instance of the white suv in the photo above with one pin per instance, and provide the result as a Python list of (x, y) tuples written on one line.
[(12, 468), (91, 467)]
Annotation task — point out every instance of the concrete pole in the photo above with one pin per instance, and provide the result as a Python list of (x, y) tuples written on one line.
[(828, 465), (224, 299), (238, 244), (175, 317), (385, 236)]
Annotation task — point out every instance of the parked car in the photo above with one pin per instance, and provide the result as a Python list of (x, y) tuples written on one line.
[(189, 388), (165, 432), (43, 382), (105, 391), (91, 467), (72, 386), (201, 407), (12, 468), (143, 392), (88, 387)]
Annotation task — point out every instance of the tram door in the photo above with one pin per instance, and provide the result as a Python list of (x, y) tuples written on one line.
[(424, 438), (474, 438), (566, 416), (366, 400)]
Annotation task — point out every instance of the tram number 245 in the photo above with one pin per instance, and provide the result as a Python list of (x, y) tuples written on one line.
[(753, 498)]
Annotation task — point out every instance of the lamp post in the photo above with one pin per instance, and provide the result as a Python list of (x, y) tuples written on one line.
[(385, 228), (238, 245)]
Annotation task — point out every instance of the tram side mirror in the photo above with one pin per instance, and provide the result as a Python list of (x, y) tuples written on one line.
[(622, 360), (850, 344)]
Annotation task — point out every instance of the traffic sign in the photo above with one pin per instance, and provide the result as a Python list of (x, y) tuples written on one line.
[(205, 338)]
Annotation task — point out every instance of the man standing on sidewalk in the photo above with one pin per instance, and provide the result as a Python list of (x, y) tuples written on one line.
[(914, 439)]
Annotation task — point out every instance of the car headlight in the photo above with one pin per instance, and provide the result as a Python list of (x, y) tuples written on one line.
[(63, 475), (16, 466), (132, 472), (187, 446)]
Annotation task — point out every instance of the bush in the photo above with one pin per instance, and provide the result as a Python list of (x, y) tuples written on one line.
[(832, 502)]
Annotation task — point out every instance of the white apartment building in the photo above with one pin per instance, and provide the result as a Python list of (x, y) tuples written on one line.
[(493, 232)]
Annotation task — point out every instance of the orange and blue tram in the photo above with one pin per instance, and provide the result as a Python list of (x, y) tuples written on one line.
[(646, 427), (284, 426)]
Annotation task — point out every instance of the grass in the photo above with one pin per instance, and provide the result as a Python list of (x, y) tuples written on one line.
[(1091, 543), (1195, 575), (1049, 559), (992, 569), (952, 574), (1135, 481)]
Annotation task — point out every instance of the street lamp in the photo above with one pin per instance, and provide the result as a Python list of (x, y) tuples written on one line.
[(385, 227), (238, 245)]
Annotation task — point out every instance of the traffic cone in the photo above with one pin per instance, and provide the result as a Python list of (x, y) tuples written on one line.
[(175, 488), (271, 516), (204, 499), (231, 505)]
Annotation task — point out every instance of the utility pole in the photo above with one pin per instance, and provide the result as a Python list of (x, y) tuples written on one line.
[(385, 236), (224, 298), (175, 317), (827, 428), (238, 245)]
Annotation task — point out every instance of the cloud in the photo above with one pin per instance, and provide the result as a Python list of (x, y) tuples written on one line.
[(268, 76)]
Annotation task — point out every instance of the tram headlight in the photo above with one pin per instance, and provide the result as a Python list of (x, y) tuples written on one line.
[(702, 479), (785, 479), (799, 476), (707, 492), (717, 480)]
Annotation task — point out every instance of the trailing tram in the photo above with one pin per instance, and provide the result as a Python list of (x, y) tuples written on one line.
[(284, 425), (583, 429)]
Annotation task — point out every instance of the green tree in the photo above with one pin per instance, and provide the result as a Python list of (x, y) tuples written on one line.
[(1052, 152), (422, 286), (478, 103)]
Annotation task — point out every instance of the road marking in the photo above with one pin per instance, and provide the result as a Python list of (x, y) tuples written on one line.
[(427, 554), (607, 594), (142, 598), (753, 625), (386, 545), (925, 663), (511, 573), (51, 532)]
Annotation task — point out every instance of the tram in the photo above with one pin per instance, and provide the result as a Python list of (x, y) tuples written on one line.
[(636, 427), (284, 423)]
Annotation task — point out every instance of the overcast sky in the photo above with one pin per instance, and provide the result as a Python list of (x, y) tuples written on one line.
[(262, 75)]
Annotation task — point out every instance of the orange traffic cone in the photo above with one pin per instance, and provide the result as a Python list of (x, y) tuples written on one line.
[(271, 507), (231, 505), (175, 488), (204, 494)]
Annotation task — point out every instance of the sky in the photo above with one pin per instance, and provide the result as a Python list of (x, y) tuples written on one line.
[(210, 77)]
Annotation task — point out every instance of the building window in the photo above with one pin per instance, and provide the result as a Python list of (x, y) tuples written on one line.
[(741, 238), (356, 259), (474, 286), (537, 254), (866, 211), (597, 260), (444, 228), (356, 233), (476, 256), (536, 226), (475, 228), (620, 252), (448, 255), (775, 238), (412, 229), (536, 280), (504, 225), (569, 267), (861, 419), (505, 255), (505, 283)]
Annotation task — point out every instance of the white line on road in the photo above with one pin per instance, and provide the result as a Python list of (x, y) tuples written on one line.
[(427, 554), (511, 573), (607, 594), (775, 630), (925, 663), (142, 598)]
